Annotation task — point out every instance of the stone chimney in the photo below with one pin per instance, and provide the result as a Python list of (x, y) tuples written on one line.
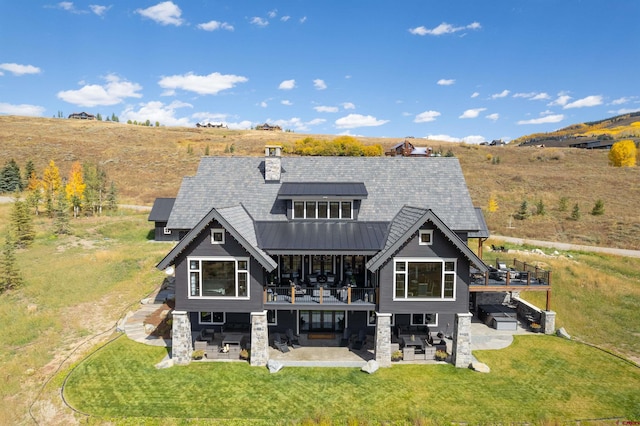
[(272, 163)]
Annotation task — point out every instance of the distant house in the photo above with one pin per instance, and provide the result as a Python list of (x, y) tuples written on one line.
[(407, 149), (160, 216), (268, 127), (593, 144), (82, 116)]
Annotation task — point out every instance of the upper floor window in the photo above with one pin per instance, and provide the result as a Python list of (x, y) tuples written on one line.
[(424, 279), (323, 209), (217, 236), (219, 277), (426, 237)]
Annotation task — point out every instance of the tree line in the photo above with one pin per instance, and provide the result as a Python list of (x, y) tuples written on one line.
[(86, 190)]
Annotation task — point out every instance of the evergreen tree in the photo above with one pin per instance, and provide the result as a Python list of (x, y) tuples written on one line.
[(523, 213), (10, 277), (10, 178), (563, 204), (99, 117), (598, 208), (575, 214), (29, 169), (112, 198), (61, 214), (540, 211), (21, 224), (114, 117)]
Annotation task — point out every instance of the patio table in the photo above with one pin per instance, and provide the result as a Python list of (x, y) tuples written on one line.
[(416, 343), (232, 339)]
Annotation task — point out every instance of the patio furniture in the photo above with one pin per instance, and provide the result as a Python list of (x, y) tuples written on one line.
[(413, 342), (207, 334), (292, 339), (360, 340), (232, 339), (408, 353), (279, 343)]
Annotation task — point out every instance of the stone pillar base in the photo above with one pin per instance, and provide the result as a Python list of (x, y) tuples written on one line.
[(461, 353), (548, 320), (259, 339), (383, 339), (182, 347)]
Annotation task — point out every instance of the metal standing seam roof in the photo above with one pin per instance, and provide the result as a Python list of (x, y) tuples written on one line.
[(355, 190), (321, 236), (161, 209), (391, 182)]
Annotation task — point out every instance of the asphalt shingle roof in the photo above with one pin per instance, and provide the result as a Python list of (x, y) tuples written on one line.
[(391, 182)]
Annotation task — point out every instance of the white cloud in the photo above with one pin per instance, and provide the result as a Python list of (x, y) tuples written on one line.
[(202, 84), (427, 116), (544, 120), (541, 97), (287, 85), (17, 69), (297, 124), (589, 101), (502, 94), (319, 84), (22, 109), (242, 125), (165, 13), (443, 28), (475, 95), (303, 20), (286, 102), (215, 25), (562, 100), (66, 5), (285, 18), (326, 109), (348, 105), (158, 112), (98, 9), (625, 111), (259, 22), (272, 13), (475, 139), (445, 82), (264, 104), (352, 121), (113, 92), (495, 116), (619, 101), (472, 113)]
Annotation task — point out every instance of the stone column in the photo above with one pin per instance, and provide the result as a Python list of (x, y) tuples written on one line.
[(383, 339), (182, 347), (548, 320), (461, 351), (259, 339)]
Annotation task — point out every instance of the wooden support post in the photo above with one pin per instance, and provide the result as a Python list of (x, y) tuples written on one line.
[(348, 295), (321, 294), (293, 295), (549, 300), (264, 295)]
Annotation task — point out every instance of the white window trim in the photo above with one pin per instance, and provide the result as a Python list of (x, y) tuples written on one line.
[(217, 231), (328, 201), (431, 324), (424, 260), (425, 232), (224, 318), (166, 231), (219, 259)]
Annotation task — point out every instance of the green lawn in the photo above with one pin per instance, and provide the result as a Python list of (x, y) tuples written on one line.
[(537, 379)]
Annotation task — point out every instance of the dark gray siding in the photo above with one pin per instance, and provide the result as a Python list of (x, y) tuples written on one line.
[(441, 248), (202, 246), (161, 236)]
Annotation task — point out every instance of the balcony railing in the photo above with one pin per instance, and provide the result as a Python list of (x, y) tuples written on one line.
[(320, 295), (520, 274)]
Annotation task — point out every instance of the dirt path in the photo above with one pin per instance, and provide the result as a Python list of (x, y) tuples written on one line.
[(567, 246)]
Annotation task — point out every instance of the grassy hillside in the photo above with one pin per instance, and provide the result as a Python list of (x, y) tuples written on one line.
[(148, 162)]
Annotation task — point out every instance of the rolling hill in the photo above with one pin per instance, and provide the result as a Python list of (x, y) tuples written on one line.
[(150, 162)]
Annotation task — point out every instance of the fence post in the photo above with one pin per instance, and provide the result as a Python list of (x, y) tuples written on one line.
[(293, 295)]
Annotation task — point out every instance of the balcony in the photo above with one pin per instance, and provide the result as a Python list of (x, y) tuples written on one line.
[(298, 295), (519, 277)]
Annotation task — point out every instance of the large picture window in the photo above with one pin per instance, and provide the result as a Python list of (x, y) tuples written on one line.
[(219, 277), (424, 279)]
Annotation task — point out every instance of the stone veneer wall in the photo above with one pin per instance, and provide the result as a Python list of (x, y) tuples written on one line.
[(259, 339), (461, 351), (182, 347), (383, 339)]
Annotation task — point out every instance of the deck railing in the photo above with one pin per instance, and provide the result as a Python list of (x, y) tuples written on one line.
[(521, 273), (320, 295)]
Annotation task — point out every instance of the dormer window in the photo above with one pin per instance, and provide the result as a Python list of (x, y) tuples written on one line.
[(426, 237), (217, 236), (322, 210)]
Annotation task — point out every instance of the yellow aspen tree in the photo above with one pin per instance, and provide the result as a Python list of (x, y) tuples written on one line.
[(493, 204), (75, 188), (51, 182), (34, 192), (623, 154)]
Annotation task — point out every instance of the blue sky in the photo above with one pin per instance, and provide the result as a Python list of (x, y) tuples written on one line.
[(469, 70)]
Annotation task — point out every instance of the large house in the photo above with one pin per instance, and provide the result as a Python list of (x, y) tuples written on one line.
[(323, 244)]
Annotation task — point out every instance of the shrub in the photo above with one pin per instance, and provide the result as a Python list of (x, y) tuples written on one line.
[(540, 211), (598, 208), (575, 213), (199, 354), (396, 355), (441, 355), (563, 204)]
